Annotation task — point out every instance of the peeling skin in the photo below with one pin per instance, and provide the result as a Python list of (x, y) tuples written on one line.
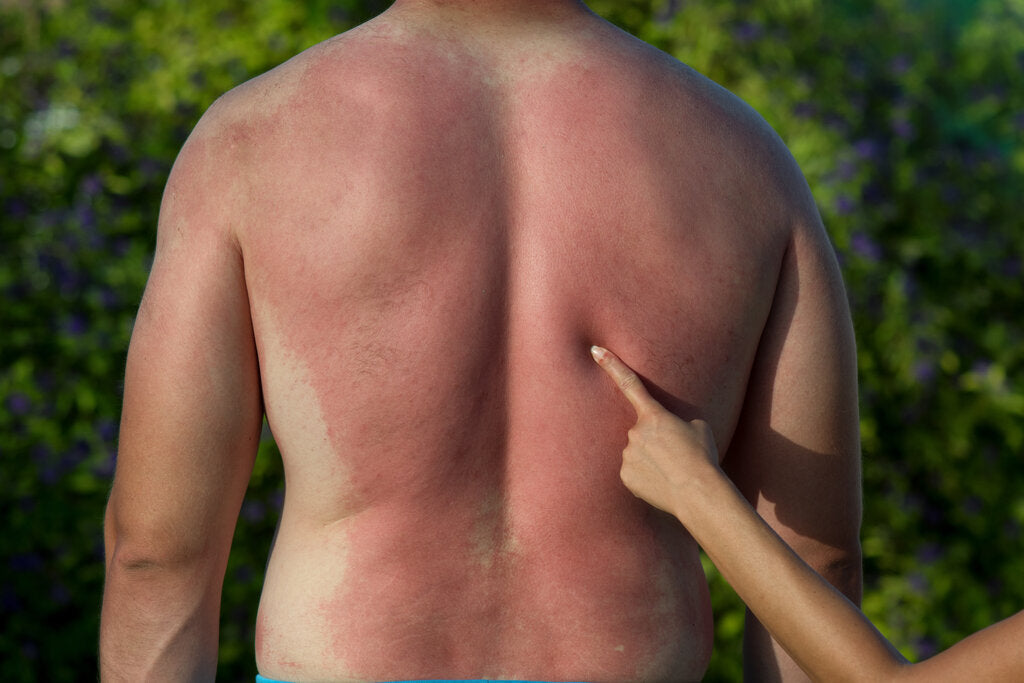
[(436, 232)]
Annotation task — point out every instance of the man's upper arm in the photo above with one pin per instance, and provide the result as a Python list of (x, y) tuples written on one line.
[(192, 408), (796, 451)]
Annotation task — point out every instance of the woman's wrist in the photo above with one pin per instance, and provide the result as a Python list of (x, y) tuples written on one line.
[(700, 492)]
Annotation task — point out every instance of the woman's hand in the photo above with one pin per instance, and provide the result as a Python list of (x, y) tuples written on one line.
[(664, 453), (673, 465)]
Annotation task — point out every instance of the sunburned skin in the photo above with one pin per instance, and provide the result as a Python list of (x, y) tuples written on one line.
[(437, 226)]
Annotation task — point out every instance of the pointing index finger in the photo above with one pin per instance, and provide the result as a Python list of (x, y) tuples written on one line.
[(629, 382)]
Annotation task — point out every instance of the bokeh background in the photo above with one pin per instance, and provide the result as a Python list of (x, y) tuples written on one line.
[(907, 117)]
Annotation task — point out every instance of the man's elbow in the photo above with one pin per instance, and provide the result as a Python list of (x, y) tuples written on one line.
[(143, 542), (147, 579), (138, 547), (136, 553), (843, 568), (837, 561)]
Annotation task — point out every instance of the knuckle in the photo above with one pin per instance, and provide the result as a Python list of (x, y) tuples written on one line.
[(628, 381), (638, 436)]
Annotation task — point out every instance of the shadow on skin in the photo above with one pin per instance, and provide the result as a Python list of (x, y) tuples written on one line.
[(813, 494)]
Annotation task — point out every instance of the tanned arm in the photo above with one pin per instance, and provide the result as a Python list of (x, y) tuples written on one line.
[(673, 465), (795, 453), (189, 433)]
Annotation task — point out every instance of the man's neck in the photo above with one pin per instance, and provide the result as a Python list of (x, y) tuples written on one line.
[(468, 10)]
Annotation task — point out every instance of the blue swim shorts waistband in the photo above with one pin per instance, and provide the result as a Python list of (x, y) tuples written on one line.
[(263, 679)]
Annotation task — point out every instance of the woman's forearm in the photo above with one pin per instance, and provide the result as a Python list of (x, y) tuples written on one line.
[(820, 629)]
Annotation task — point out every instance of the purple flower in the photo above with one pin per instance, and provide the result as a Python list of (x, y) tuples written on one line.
[(844, 205), (26, 562), (77, 453), (912, 503), (41, 454), (748, 31), (151, 168), (981, 367), (49, 474), (846, 170), (105, 469), (64, 277), (867, 148), (60, 594), (119, 153), (1011, 267), (872, 193), (925, 648), (899, 65), (865, 247), (254, 511), (18, 404), (934, 515), (86, 217), (107, 429), (45, 380), (16, 208), (918, 583), (669, 10), (805, 110), (122, 245), (930, 553), (837, 123), (76, 325), (9, 600), (973, 505), (857, 69), (244, 574), (924, 371), (950, 193), (109, 299), (50, 468), (92, 185), (903, 128)]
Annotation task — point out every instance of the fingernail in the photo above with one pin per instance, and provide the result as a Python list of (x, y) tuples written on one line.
[(598, 353)]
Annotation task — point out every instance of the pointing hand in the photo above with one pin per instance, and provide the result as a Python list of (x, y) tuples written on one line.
[(664, 451)]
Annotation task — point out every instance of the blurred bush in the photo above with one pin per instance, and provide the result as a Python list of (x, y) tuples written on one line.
[(907, 117)]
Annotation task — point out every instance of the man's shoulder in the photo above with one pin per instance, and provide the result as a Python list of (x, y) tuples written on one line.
[(344, 83), (332, 62), (736, 146), (698, 106)]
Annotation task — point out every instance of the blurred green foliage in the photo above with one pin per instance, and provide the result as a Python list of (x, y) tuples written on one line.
[(907, 117)]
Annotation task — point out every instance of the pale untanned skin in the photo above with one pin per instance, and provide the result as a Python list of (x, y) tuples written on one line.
[(673, 464), (405, 240)]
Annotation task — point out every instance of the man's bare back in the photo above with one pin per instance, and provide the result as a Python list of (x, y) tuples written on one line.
[(431, 218)]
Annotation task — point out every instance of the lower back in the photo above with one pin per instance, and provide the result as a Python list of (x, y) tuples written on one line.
[(398, 594)]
